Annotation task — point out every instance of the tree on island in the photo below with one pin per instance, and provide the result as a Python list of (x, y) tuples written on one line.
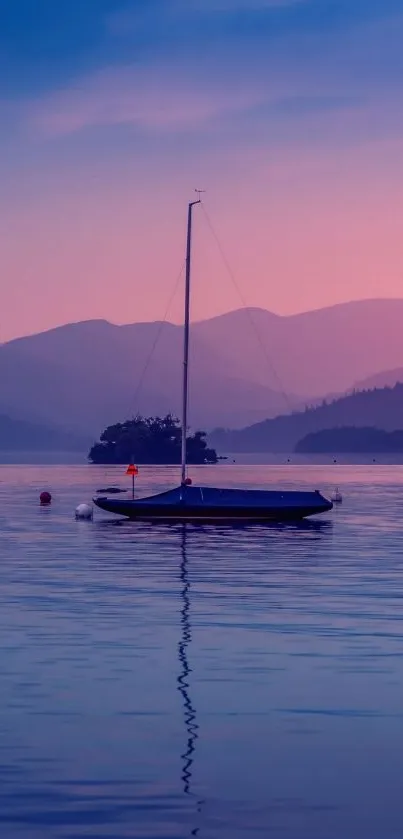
[(152, 440)]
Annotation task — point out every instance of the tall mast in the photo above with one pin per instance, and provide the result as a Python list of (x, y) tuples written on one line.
[(186, 337)]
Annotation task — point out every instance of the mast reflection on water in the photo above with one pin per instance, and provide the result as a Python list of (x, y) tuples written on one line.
[(189, 710)]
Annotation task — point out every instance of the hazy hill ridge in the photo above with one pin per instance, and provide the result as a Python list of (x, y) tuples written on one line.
[(84, 376), (380, 408), (17, 435)]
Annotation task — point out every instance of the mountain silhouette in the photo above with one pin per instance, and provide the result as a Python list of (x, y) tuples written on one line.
[(346, 439), (381, 408), (246, 366), (314, 353), (85, 376), (17, 435), (388, 378)]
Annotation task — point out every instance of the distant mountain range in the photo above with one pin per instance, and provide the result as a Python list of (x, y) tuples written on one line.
[(388, 378), (17, 435), (85, 376), (382, 409), (246, 366), (314, 353)]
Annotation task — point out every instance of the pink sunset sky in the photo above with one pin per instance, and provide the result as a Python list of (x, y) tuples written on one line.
[(289, 117)]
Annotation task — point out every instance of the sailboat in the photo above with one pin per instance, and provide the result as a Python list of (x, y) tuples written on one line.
[(209, 504)]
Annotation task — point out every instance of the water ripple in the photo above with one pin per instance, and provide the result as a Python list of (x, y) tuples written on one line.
[(167, 682)]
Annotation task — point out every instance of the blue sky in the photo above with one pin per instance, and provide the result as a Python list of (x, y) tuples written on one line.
[(106, 103), (341, 50)]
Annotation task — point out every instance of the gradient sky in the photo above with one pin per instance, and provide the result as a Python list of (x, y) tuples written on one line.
[(288, 112)]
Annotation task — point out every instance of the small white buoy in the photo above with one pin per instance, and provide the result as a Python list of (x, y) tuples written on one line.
[(84, 511), (337, 497)]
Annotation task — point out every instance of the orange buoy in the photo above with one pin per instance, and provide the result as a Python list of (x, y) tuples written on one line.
[(188, 482), (132, 470)]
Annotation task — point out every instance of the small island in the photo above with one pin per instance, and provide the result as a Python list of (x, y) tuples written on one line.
[(152, 440), (351, 440)]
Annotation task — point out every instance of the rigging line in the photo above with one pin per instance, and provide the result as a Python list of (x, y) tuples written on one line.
[(247, 310), (157, 337)]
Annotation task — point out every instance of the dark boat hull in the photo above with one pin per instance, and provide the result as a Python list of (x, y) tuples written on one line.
[(214, 505)]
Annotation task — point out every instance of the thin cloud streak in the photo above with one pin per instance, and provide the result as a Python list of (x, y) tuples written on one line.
[(239, 80), (172, 100), (127, 97)]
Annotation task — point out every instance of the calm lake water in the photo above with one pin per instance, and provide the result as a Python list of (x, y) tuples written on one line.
[(167, 682)]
